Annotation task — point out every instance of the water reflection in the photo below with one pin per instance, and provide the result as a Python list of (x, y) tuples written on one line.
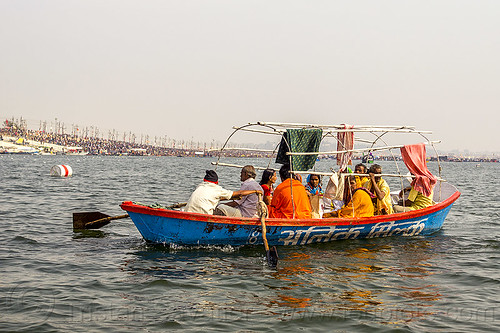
[(387, 279), (292, 302), (88, 233), (378, 277)]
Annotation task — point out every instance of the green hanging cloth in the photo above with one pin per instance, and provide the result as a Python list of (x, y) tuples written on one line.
[(299, 141)]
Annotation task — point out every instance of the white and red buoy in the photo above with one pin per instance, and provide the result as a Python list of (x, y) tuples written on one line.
[(61, 171)]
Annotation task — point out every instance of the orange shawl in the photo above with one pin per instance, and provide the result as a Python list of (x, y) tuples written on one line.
[(281, 203)]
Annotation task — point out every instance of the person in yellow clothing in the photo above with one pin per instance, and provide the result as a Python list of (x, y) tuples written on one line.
[(378, 186), (360, 180), (359, 202), (416, 200)]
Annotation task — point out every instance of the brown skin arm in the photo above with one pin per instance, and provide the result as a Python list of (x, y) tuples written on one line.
[(407, 201), (380, 194), (239, 194), (267, 199)]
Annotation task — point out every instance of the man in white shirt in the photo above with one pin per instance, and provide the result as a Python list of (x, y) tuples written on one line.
[(246, 206), (208, 194)]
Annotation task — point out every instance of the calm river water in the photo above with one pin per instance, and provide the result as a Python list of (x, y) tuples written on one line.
[(110, 280)]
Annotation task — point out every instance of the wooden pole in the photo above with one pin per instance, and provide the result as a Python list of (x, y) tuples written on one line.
[(240, 166), (355, 150), (328, 174), (341, 128), (245, 149)]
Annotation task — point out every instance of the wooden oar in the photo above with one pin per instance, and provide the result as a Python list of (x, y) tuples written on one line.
[(96, 220), (104, 221), (271, 254)]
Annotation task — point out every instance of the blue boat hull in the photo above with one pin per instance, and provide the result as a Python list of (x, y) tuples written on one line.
[(176, 227)]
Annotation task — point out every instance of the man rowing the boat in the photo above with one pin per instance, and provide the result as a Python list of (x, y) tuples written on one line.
[(246, 206), (208, 194)]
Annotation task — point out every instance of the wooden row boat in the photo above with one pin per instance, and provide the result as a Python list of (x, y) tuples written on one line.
[(167, 226), (170, 226)]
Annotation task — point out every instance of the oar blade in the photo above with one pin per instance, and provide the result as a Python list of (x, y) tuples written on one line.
[(80, 219), (272, 257)]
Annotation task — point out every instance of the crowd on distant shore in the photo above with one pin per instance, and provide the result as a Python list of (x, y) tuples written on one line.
[(100, 146)]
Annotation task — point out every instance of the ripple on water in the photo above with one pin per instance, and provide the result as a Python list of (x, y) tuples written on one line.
[(110, 279), (24, 240)]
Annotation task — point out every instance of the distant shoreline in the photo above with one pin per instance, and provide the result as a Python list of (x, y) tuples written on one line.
[(14, 140), (9, 147)]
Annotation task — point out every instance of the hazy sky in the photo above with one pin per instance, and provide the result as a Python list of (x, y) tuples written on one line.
[(194, 68)]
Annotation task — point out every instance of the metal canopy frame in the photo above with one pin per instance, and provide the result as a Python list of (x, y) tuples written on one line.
[(378, 142)]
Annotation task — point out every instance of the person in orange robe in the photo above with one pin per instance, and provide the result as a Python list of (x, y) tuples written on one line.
[(359, 202), (282, 205)]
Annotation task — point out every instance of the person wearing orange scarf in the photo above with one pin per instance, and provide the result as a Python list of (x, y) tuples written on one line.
[(290, 196)]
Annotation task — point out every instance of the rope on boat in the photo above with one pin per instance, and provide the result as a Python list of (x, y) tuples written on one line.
[(158, 205)]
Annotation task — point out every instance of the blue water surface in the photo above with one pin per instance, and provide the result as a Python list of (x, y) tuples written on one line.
[(110, 280)]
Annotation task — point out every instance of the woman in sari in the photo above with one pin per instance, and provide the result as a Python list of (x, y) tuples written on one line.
[(267, 184), (359, 201), (313, 185)]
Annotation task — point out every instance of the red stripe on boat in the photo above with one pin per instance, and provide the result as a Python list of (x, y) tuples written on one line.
[(131, 207)]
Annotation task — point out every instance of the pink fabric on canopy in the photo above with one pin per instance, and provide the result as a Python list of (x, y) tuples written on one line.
[(345, 141), (414, 158)]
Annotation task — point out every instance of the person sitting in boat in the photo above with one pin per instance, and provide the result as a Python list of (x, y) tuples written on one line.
[(422, 185), (208, 194), (360, 180), (416, 200), (359, 201), (378, 186), (246, 206), (267, 184), (315, 193), (290, 195), (313, 185)]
